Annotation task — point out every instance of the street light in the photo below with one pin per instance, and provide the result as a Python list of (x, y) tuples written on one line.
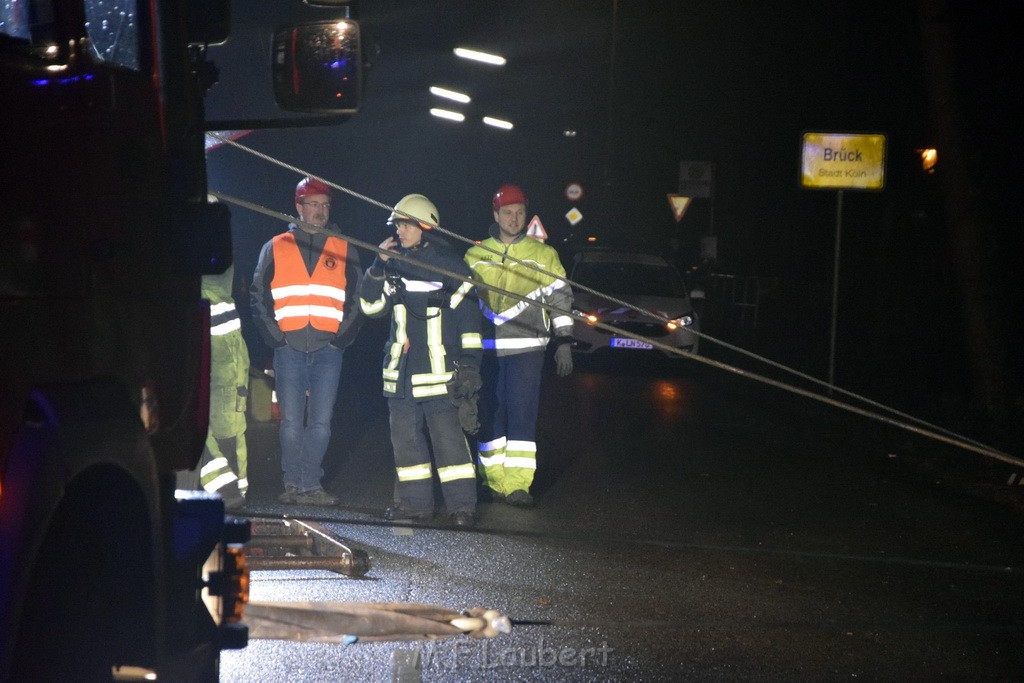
[(477, 56), (498, 123), (449, 94), (447, 114), (929, 159)]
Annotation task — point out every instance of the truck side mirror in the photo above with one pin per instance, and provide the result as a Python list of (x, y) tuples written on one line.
[(317, 67)]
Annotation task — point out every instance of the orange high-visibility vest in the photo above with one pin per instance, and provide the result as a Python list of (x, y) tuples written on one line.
[(301, 299)]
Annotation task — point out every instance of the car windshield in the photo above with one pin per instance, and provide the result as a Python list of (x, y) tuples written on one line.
[(630, 279)]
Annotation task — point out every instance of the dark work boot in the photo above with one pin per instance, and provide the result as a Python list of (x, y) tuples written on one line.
[(520, 499)]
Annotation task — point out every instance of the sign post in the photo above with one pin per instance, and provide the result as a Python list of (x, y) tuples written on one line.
[(854, 161), (835, 293)]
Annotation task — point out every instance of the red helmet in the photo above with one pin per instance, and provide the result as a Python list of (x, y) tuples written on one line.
[(508, 194), (308, 186)]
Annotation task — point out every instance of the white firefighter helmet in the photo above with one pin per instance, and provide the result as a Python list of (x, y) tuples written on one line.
[(415, 208)]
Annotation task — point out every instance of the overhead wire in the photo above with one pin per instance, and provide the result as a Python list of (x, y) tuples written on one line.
[(906, 421)]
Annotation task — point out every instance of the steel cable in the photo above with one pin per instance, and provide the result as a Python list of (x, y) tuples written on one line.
[(907, 422)]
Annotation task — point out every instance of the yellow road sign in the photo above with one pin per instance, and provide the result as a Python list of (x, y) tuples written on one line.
[(841, 161), (679, 205)]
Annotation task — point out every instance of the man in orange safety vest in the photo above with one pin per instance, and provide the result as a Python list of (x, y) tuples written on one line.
[(306, 307)]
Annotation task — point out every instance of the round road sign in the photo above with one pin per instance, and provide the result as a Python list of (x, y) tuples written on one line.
[(573, 192)]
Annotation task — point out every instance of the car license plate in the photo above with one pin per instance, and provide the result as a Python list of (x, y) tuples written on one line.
[(627, 343)]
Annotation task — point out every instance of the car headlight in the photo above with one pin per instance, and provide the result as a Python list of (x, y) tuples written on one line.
[(589, 318), (681, 321)]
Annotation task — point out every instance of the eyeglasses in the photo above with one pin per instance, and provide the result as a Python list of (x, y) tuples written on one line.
[(317, 205)]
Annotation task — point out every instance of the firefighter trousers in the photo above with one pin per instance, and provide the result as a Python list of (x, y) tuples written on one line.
[(411, 422), (221, 469), (510, 401)]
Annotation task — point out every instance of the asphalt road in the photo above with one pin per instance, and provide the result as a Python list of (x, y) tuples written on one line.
[(690, 525)]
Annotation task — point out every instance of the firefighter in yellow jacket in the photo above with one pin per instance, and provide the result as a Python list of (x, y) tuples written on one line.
[(223, 466), (515, 336), (226, 471)]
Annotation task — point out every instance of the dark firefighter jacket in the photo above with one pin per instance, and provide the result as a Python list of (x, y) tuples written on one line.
[(435, 319)]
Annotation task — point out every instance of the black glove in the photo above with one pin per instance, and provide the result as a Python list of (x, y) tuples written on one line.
[(563, 360), (465, 382), (463, 390), (377, 269)]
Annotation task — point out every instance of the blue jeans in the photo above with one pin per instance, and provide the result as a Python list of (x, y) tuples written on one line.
[(305, 428)]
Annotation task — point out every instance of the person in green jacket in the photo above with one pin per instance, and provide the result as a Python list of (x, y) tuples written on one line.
[(223, 466), (515, 336)]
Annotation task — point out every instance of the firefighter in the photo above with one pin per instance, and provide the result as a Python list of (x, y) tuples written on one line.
[(434, 348), (515, 336), (226, 469), (223, 465), (303, 297)]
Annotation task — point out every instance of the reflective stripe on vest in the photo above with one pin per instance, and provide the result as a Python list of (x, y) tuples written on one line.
[(301, 299)]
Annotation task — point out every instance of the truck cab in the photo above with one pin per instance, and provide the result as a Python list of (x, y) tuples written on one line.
[(104, 342)]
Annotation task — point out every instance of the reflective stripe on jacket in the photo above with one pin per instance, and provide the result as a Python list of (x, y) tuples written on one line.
[(516, 326), (301, 299), (224, 318), (229, 358)]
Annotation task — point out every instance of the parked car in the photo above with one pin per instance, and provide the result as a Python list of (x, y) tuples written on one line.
[(644, 280)]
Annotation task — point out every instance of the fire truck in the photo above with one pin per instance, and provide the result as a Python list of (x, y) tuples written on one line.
[(106, 571)]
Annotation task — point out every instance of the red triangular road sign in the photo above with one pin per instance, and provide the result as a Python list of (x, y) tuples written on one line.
[(536, 230), (679, 204)]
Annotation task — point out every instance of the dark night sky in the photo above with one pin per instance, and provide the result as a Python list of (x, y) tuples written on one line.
[(733, 84)]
